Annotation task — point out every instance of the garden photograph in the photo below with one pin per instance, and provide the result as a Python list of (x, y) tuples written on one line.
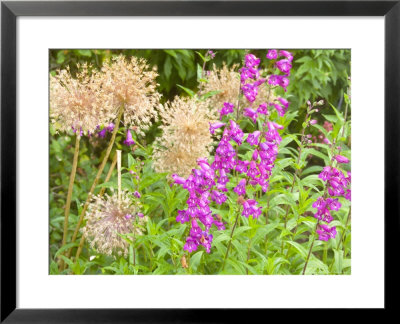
[(200, 161)]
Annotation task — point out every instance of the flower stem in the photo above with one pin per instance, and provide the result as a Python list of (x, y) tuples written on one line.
[(119, 175), (248, 256), (341, 240), (296, 173), (309, 251), (230, 241), (204, 66), (96, 180), (69, 195), (343, 233), (345, 116), (114, 162), (134, 243)]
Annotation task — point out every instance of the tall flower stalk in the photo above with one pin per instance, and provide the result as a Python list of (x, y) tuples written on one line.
[(97, 178), (337, 185), (209, 183), (304, 139), (78, 104), (69, 195), (82, 241)]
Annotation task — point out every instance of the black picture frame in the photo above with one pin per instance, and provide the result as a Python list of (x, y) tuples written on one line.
[(11, 10)]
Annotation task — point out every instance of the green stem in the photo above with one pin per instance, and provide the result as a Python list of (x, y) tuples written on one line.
[(341, 241), (248, 256), (230, 241), (343, 234), (309, 251), (69, 195)]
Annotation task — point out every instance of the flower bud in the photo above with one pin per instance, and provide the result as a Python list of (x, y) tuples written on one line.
[(341, 159), (183, 262), (241, 200)]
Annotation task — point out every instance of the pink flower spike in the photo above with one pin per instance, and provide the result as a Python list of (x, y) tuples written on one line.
[(129, 140), (284, 102), (215, 126), (251, 113), (286, 54), (341, 159), (179, 180), (272, 54)]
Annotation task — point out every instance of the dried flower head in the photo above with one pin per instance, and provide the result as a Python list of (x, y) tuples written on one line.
[(78, 103), (106, 218), (129, 82), (186, 136), (227, 81)]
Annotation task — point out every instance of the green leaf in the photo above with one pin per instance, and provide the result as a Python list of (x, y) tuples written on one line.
[(314, 152), (209, 94), (239, 269), (222, 237), (299, 248), (195, 260), (338, 261), (188, 91), (87, 53), (67, 261), (249, 267), (167, 68), (65, 247), (312, 169), (171, 52), (199, 72), (202, 57), (241, 230), (60, 57), (131, 160), (150, 179)]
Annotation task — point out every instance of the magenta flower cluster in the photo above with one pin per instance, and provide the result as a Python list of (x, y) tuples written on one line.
[(338, 185), (102, 132), (208, 183), (250, 72), (284, 65), (129, 140), (201, 185)]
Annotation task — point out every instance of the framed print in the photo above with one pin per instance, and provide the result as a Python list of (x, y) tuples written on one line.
[(150, 155)]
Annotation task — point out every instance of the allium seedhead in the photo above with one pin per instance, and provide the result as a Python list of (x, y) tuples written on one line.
[(186, 136), (131, 83), (228, 81), (78, 103), (106, 218)]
